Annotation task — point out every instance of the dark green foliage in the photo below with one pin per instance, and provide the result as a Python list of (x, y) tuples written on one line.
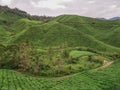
[(49, 62), (9, 57)]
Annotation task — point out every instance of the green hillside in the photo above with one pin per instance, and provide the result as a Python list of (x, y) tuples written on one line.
[(100, 29), (44, 35), (115, 37), (71, 30), (8, 16), (4, 33), (23, 23)]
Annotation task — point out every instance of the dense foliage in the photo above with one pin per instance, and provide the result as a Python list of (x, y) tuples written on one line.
[(48, 62)]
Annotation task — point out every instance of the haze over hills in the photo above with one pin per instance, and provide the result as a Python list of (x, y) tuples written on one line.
[(115, 18)]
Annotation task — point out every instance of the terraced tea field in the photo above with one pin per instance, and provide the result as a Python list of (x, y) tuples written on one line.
[(11, 80), (106, 79)]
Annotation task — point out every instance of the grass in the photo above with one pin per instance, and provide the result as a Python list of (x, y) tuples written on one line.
[(77, 54)]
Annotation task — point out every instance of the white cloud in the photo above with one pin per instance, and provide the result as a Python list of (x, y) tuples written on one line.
[(5, 2), (50, 4), (85, 8), (90, 8), (113, 6), (91, 2)]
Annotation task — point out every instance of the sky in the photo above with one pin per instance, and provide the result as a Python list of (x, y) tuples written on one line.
[(89, 8)]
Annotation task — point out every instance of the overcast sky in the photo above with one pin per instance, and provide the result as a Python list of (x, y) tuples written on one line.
[(91, 8)]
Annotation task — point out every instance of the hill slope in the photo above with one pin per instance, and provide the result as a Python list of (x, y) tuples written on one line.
[(97, 28), (70, 30), (56, 34)]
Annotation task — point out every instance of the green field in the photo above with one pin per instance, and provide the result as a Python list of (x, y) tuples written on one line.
[(12, 80), (76, 54), (106, 79)]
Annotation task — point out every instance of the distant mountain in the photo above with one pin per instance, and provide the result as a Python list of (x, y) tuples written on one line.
[(115, 18), (101, 18)]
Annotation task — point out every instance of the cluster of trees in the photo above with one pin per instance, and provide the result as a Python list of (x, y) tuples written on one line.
[(52, 62), (24, 14), (26, 58), (9, 57)]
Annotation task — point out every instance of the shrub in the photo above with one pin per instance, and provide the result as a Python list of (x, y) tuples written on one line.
[(97, 59)]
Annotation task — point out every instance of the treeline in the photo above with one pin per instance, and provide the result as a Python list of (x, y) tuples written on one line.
[(24, 14), (26, 58)]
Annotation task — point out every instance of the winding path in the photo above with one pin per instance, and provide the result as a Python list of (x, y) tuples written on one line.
[(107, 64)]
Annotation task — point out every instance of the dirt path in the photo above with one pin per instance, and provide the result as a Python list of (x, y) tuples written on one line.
[(108, 63), (63, 77)]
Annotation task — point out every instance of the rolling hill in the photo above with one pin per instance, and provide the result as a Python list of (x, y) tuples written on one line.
[(61, 34), (75, 31), (67, 30), (97, 28)]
